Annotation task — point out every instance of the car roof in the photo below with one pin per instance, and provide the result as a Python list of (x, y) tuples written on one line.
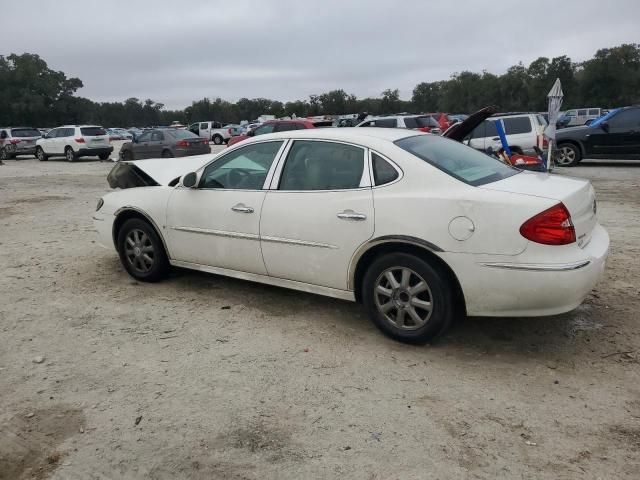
[(408, 115), (346, 134)]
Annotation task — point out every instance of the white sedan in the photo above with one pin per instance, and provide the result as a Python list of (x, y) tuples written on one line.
[(417, 227)]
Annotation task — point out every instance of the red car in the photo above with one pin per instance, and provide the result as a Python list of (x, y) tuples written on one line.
[(272, 126)]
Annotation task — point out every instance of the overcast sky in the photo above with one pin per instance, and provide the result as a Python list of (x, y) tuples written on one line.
[(177, 51)]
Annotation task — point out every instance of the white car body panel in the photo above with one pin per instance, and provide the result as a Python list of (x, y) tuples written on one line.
[(305, 246)]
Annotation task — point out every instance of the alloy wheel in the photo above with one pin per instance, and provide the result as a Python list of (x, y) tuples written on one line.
[(139, 251), (403, 298), (566, 155), (69, 155)]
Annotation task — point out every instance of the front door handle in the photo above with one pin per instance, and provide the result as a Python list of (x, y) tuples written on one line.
[(242, 208), (351, 215)]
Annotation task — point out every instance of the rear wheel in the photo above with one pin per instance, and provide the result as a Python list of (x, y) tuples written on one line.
[(126, 155), (407, 298), (568, 155), (217, 139), (167, 154), (69, 154), (141, 251), (40, 155)]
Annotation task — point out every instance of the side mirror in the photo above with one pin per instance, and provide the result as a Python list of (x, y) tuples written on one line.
[(605, 126), (189, 180)]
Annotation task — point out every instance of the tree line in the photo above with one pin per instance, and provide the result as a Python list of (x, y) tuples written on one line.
[(33, 94)]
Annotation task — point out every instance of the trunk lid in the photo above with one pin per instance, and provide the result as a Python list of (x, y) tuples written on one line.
[(576, 194), (153, 172)]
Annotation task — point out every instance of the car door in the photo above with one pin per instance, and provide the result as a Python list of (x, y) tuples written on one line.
[(205, 131), (620, 135), (316, 214), (49, 145), (217, 224), (156, 143), (520, 133), (141, 147)]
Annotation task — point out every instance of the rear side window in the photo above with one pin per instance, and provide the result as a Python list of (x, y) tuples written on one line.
[(182, 134), (68, 132), (285, 127), (516, 125), (322, 166), (385, 123), (594, 111), (461, 162), (92, 131), (25, 132), (383, 171)]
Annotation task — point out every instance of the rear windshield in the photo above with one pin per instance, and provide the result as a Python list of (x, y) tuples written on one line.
[(464, 163), (92, 131), (25, 132), (183, 134)]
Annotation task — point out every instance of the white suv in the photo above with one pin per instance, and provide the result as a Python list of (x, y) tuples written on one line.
[(73, 142), (523, 131), (423, 123)]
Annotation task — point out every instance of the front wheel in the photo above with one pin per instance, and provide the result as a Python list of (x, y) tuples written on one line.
[(407, 299), (568, 155), (103, 156), (40, 155), (126, 155), (141, 251)]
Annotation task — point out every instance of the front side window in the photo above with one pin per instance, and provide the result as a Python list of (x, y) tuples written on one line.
[(204, 126), (516, 125), (244, 169), (582, 113), (383, 171), (313, 165), (461, 162), (69, 132), (145, 137), (263, 129), (53, 133), (157, 136)]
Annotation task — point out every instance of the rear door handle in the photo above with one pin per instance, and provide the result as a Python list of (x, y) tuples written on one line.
[(242, 208), (351, 215), (495, 138)]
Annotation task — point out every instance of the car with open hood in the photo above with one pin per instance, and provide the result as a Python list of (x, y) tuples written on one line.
[(417, 227)]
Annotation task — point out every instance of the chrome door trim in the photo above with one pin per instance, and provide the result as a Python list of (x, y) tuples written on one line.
[(539, 267), (218, 233), (275, 281), (290, 241)]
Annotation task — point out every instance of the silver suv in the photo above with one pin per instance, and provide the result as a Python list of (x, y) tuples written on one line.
[(423, 123), (18, 141)]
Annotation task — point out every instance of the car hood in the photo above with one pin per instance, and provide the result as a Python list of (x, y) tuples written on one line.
[(155, 171), (570, 130), (458, 131)]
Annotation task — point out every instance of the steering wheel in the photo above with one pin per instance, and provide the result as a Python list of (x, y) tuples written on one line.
[(236, 176)]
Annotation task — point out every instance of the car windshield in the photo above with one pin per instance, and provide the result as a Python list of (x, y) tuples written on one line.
[(461, 162), (183, 134), (604, 118), (25, 132)]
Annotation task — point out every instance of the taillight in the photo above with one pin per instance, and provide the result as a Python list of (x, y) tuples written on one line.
[(182, 143), (230, 131), (551, 227), (14, 141), (79, 140)]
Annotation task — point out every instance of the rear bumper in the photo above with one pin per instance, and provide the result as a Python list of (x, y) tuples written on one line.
[(517, 289), (187, 152), (91, 152)]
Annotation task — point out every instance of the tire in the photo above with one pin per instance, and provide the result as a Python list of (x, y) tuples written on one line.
[(126, 155), (141, 251), (568, 155), (167, 154), (40, 155), (427, 311), (217, 139), (103, 156), (70, 155)]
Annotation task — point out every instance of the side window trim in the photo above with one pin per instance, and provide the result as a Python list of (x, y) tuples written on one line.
[(365, 181), (270, 172), (390, 162)]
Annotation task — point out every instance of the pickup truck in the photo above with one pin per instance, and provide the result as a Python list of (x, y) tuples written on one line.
[(214, 131)]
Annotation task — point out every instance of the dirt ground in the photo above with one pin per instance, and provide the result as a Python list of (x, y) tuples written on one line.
[(205, 377)]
